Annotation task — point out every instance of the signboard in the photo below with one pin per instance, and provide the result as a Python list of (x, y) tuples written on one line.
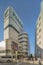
[(14, 46)]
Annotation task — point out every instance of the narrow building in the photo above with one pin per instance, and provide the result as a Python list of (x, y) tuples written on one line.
[(12, 27), (23, 39), (39, 34)]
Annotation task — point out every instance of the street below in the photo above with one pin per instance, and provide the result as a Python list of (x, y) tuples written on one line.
[(23, 63)]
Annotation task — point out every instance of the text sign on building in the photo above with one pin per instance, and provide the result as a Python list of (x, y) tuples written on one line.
[(14, 46)]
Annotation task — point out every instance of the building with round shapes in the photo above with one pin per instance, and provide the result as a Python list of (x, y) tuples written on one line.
[(23, 39)]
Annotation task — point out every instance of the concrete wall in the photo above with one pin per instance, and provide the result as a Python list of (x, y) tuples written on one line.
[(39, 34)]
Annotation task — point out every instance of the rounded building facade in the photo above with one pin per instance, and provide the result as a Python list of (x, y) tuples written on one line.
[(23, 39)]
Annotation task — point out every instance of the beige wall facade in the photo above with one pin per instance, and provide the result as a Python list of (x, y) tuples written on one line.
[(23, 39), (12, 27), (12, 23), (39, 34)]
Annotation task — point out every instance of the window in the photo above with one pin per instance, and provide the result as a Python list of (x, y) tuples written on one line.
[(7, 51), (26, 53), (13, 14), (22, 38), (39, 17), (6, 13), (26, 48), (17, 19), (11, 27), (6, 57), (23, 34), (39, 30), (23, 41), (2, 51)]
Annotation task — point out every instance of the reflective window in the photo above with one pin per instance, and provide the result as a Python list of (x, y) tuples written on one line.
[(39, 30), (39, 17), (13, 14), (6, 13)]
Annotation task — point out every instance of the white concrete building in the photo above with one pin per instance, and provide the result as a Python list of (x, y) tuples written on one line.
[(12, 25), (23, 39), (13, 28), (39, 34)]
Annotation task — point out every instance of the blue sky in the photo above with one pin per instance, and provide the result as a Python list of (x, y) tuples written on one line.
[(28, 11)]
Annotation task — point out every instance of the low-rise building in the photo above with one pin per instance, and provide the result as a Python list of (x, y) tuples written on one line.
[(23, 39)]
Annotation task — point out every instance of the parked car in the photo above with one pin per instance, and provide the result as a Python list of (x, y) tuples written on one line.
[(6, 59)]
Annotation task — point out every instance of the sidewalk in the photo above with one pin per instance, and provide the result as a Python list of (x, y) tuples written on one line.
[(35, 62), (28, 61)]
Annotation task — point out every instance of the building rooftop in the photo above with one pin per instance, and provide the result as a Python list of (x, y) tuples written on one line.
[(11, 8)]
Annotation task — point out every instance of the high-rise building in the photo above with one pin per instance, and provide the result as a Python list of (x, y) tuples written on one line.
[(2, 48), (12, 27), (12, 24), (15, 39), (39, 34)]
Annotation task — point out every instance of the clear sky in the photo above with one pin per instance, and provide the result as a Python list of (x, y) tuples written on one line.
[(28, 11)]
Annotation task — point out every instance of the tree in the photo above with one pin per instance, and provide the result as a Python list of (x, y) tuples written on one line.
[(31, 56)]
